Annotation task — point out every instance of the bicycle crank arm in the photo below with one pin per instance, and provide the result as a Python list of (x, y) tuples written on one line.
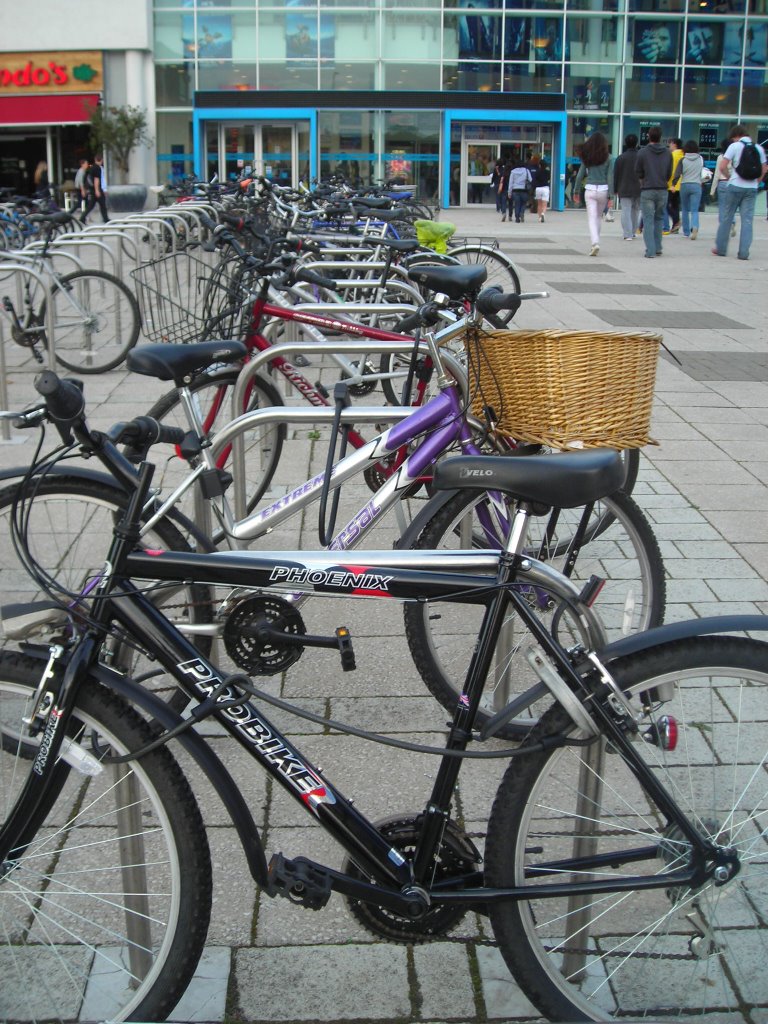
[(341, 640), (310, 884)]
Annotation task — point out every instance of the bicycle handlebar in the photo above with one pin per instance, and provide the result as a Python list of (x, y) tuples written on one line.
[(139, 434), (64, 401)]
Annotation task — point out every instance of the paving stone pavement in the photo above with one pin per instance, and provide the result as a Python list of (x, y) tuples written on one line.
[(705, 489)]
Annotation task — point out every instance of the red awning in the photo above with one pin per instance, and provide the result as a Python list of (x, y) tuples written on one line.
[(46, 109)]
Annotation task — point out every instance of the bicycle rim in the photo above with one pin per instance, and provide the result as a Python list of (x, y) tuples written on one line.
[(94, 321), (103, 915), (675, 953), (624, 553)]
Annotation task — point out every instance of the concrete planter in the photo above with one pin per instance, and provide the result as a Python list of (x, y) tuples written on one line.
[(126, 198)]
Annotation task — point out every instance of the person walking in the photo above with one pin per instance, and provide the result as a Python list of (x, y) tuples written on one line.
[(81, 188), (506, 167), (654, 168), (597, 171), (541, 177), (626, 185), (517, 191), (96, 182), (748, 168), (720, 178), (496, 176), (672, 215), (688, 174)]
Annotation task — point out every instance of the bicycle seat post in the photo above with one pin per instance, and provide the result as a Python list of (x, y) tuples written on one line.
[(518, 535)]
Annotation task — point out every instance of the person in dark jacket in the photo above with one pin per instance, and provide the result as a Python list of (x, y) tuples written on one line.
[(626, 185), (496, 176), (654, 168)]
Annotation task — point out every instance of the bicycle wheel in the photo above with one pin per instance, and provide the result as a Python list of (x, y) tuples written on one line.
[(212, 394), (679, 953), (104, 914), (69, 527), (95, 321), (501, 269), (624, 553)]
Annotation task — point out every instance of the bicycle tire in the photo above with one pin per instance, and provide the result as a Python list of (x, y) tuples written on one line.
[(107, 308), (660, 954), (71, 522), (263, 451), (125, 845), (84, 304), (625, 553), (501, 270)]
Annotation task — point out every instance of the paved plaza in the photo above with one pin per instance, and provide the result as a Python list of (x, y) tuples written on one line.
[(705, 490)]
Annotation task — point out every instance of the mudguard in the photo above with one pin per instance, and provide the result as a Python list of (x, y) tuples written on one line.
[(710, 626), (195, 746), (179, 520)]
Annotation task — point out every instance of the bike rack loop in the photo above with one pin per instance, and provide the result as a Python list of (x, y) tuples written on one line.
[(317, 414), (33, 253), (292, 414), (94, 235)]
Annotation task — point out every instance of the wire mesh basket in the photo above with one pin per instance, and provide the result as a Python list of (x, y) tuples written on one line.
[(565, 389), (183, 299)]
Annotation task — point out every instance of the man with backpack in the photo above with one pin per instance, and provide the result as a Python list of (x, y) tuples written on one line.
[(748, 167)]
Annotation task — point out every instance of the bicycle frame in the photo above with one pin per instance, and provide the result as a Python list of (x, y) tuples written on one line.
[(442, 419), (403, 885)]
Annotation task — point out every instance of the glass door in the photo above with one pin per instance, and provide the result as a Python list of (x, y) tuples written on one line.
[(238, 150), (275, 155), (477, 163)]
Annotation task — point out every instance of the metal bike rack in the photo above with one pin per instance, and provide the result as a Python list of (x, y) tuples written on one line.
[(315, 414), (110, 259), (291, 414), (33, 253), (353, 347)]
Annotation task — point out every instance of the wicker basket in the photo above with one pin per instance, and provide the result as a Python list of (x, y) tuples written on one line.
[(566, 389)]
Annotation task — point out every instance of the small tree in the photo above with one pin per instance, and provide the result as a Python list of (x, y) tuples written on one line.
[(119, 130)]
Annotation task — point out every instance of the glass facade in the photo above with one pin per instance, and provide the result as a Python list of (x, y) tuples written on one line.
[(693, 66)]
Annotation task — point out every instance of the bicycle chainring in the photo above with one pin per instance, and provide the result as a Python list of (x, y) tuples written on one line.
[(249, 648), (26, 336), (364, 387), (457, 856)]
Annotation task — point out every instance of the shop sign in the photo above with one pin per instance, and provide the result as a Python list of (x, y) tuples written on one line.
[(72, 71)]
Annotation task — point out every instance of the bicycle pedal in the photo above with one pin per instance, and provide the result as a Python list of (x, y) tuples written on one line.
[(321, 388), (344, 640), (299, 880)]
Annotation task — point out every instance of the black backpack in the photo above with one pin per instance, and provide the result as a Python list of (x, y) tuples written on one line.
[(749, 166)]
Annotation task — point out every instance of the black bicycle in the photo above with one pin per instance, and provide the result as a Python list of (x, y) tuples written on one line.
[(624, 868)]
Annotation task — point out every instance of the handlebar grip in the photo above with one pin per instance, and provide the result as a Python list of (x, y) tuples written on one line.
[(310, 277), (64, 400), (234, 221), (408, 323), (206, 221), (493, 300), (140, 434)]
